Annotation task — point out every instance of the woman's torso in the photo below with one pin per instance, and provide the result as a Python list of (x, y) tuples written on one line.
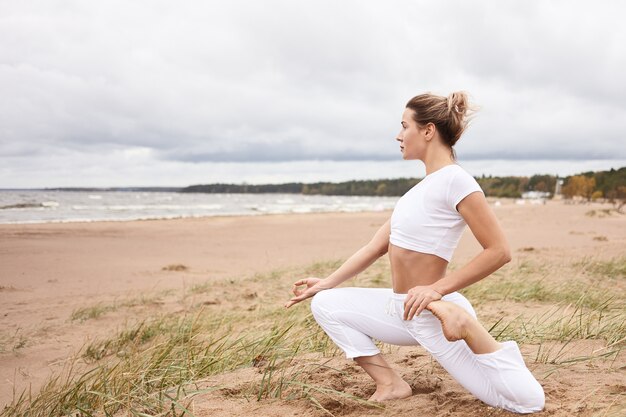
[(426, 227), (410, 268)]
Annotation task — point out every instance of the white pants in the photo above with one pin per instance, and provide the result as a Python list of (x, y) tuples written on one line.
[(353, 316)]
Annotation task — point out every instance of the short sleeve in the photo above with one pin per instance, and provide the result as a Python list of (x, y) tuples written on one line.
[(461, 185)]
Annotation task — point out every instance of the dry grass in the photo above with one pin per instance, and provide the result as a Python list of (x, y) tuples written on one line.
[(13, 342), (157, 366)]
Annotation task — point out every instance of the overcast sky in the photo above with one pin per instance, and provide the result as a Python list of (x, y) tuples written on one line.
[(129, 93)]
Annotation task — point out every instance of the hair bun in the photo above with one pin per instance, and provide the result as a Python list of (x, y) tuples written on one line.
[(458, 102)]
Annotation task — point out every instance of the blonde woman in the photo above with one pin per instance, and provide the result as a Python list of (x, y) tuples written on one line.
[(423, 306)]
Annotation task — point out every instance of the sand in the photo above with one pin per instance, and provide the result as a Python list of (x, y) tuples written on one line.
[(50, 271)]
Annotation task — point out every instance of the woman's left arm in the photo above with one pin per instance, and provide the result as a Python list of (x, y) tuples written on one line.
[(484, 225)]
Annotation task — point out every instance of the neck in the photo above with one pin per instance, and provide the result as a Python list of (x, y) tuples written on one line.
[(438, 160)]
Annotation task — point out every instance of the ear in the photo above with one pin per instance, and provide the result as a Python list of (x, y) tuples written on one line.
[(429, 131)]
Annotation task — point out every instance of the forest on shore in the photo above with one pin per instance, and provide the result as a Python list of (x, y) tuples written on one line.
[(609, 185)]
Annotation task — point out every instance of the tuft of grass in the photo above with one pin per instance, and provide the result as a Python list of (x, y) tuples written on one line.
[(566, 323), (201, 288), (529, 281), (100, 309), (140, 301), (601, 213), (20, 342), (612, 268), (539, 290), (13, 342), (92, 312), (127, 340)]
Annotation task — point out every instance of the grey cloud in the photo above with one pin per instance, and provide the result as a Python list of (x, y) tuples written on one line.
[(291, 81)]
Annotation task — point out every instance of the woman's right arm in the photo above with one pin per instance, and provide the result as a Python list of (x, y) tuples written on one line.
[(355, 264)]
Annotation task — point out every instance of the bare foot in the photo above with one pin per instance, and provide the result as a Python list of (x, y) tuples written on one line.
[(392, 392), (454, 320)]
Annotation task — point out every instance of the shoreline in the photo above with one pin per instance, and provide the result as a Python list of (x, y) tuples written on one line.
[(204, 216), (493, 201)]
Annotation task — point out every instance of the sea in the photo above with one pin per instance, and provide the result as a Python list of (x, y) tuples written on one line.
[(43, 206)]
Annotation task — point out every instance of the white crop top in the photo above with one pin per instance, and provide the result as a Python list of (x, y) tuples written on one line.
[(425, 218)]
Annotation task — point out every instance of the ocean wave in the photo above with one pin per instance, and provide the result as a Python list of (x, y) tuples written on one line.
[(147, 207), (62, 207)]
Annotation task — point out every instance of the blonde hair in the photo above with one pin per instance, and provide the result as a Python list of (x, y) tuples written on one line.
[(450, 115)]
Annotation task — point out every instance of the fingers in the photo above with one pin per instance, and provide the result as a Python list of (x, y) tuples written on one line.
[(311, 288), (414, 305), (421, 308), (414, 310), (408, 302), (417, 300), (296, 284), (295, 300)]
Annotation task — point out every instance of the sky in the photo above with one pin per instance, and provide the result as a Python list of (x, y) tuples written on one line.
[(164, 93)]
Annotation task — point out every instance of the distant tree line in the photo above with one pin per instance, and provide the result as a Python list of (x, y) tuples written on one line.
[(609, 185), (385, 187)]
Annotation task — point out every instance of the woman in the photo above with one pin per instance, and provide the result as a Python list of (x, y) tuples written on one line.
[(423, 307)]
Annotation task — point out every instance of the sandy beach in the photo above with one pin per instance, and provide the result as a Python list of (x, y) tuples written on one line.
[(52, 274)]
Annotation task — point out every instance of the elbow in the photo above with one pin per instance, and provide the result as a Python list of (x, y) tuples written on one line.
[(381, 251), (504, 255), (377, 250), (501, 255)]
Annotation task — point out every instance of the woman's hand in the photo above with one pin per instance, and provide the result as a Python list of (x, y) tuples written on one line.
[(313, 286), (417, 299)]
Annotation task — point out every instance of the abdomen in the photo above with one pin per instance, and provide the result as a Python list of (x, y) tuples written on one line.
[(410, 268)]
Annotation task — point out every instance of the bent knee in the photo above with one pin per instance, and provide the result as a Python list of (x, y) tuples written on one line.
[(460, 301), (321, 302)]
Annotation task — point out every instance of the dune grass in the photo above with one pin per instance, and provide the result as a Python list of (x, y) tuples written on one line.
[(13, 342), (612, 269), (158, 365), (584, 282), (97, 310), (92, 312)]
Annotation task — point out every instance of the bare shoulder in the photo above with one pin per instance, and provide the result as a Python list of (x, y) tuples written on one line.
[(474, 203), (481, 220)]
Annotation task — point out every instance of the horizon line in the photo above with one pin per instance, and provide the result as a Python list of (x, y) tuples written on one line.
[(163, 187)]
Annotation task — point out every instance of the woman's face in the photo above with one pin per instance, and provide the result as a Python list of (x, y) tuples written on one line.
[(411, 137)]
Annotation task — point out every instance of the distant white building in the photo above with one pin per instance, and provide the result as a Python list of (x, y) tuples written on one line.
[(535, 195)]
